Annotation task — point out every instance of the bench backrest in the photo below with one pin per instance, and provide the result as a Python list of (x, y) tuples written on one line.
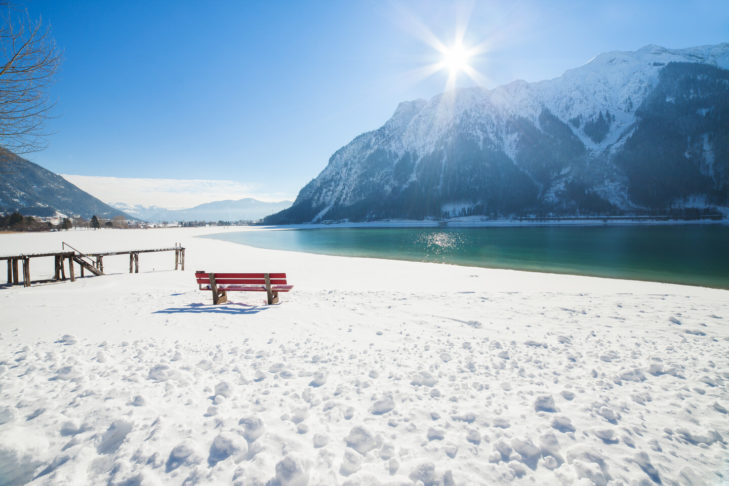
[(203, 278)]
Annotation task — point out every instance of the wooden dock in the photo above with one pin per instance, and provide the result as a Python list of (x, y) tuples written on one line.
[(91, 262)]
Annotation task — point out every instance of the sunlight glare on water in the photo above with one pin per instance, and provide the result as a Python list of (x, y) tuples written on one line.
[(440, 243)]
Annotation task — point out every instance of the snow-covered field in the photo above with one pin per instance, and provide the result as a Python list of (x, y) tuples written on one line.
[(368, 372)]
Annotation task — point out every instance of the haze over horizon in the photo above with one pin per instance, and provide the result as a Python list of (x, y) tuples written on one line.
[(259, 96)]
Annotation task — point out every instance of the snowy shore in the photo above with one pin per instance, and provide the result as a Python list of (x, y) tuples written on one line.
[(368, 372)]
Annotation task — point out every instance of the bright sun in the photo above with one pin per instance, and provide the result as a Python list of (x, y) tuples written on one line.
[(455, 59)]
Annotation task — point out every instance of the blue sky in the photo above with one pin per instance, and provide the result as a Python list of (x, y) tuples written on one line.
[(262, 93)]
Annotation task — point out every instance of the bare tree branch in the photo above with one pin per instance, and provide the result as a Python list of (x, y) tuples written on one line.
[(29, 61)]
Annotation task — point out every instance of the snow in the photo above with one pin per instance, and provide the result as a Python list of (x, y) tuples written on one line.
[(613, 82), (369, 372)]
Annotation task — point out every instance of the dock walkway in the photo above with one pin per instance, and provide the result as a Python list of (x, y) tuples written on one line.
[(91, 262)]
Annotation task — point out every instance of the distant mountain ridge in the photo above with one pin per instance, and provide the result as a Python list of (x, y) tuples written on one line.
[(629, 132), (246, 209), (36, 191)]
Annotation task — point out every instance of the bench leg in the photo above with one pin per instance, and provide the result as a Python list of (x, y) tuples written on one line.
[(222, 297), (219, 297), (272, 297)]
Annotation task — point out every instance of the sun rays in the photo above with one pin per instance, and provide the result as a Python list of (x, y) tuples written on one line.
[(456, 58)]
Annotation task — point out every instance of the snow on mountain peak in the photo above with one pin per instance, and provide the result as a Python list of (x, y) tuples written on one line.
[(611, 86)]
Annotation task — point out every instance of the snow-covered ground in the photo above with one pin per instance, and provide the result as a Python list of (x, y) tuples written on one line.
[(368, 372)]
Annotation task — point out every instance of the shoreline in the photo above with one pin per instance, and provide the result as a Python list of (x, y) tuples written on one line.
[(479, 223)]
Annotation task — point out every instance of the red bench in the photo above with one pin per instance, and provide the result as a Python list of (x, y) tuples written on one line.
[(222, 283)]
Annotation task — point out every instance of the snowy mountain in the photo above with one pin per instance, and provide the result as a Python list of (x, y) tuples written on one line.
[(629, 132), (247, 209), (35, 191)]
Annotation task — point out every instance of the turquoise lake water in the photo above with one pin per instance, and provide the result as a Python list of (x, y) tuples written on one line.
[(686, 254)]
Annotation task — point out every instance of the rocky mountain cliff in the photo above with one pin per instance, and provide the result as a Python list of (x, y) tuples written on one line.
[(639, 132), (35, 191)]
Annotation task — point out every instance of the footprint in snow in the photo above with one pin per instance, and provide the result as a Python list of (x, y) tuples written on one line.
[(289, 472), (545, 403), (423, 378), (361, 440), (501, 423), (351, 463), (113, 437), (182, 453), (607, 436), (435, 434), (252, 428), (529, 452), (382, 406), (224, 446), (320, 440), (562, 424), (67, 340)]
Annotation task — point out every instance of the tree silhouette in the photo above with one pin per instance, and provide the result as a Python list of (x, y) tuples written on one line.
[(28, 63)]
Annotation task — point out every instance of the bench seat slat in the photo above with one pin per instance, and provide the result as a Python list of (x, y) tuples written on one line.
[(251, 288), (246, 281), (242, 275)]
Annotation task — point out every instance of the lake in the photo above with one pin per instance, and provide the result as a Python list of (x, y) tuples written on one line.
[(686, 254)]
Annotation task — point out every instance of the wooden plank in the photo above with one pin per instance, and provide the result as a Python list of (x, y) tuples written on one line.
[(127, 252), (247, 281), (239, 288), (250, 288), (218, 276), (37, 255)]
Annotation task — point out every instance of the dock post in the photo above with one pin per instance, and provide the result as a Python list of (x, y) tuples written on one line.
[(10, 272), (131, 262), (63, 268), (15, 271), (70, 269), (26, 272), (177, 257), (182, 255), (56, 270), (100, 263), (136, 263)]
